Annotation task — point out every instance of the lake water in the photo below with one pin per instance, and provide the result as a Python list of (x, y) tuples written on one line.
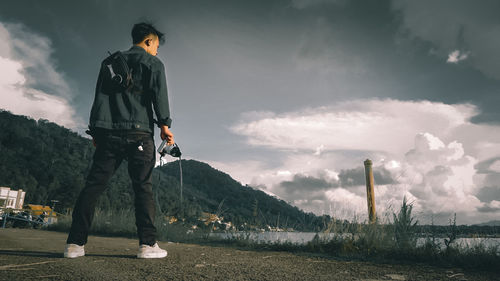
[(304, 237)]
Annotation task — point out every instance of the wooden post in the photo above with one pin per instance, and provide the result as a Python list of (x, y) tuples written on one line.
[(370, 193)]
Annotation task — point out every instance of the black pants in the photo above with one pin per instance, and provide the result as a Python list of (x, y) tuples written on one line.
[(112, 148)]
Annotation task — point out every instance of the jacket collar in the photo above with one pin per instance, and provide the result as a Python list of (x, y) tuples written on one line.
[(137, 48)]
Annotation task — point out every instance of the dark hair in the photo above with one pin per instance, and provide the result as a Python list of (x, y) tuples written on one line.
[(143, 29)]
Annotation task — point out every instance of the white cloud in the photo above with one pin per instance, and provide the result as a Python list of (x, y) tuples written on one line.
[(243, 171), (30, 84), (372, 125), (343, 199), (456, 56), (429, 149), (445, 176)]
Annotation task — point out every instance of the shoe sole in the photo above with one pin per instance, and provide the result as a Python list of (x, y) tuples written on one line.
[(151, 256), (73, 256)]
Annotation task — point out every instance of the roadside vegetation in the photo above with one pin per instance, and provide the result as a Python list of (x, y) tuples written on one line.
[(393, 240)]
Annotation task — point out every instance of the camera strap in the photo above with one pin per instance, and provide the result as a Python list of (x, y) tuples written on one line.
[(180, 173)]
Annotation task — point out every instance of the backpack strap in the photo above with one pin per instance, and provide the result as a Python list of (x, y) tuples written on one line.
[(119, 71)]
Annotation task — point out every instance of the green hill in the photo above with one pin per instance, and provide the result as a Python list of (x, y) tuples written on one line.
[(50, 162), (208, 189)]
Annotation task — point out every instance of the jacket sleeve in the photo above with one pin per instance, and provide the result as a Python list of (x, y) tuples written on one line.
[(93, 113), (160, 96)]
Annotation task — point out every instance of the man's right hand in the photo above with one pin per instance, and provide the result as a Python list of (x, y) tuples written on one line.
[(166, 134)]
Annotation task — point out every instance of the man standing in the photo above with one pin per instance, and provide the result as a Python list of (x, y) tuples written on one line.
[(122, 126)]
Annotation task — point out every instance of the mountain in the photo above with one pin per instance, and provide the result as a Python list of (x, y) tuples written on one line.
[(214, 191), (50, 162), (47, 161), (489, 223)]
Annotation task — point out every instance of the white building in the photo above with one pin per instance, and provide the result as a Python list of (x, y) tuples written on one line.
[(11, 198)]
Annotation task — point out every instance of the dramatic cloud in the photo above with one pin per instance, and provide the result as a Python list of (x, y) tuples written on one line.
[(456, 25), (491, 207), (420, 150), (441, 177), (488, 194), (30, 84), (309, 70), (490, 166), (304, 190), (489, 170), (356, 177), (370, 125), (300, 182)]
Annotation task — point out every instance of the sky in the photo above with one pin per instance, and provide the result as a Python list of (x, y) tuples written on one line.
[(291, 96)]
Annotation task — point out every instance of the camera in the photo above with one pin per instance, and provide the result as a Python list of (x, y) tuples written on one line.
[(172, 150)]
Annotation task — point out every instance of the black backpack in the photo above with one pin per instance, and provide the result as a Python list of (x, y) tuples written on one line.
[(117, 75)]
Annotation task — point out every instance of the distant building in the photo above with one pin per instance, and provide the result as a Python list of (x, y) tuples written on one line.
[(11, 198)]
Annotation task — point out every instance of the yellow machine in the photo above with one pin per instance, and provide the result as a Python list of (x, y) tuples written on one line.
[(37, 210)]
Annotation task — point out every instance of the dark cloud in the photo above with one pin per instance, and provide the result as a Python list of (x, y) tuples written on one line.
[(304, 4), (361, 43), (489, 193), (332, 33), (491, 189), (356, 176), (305, 192), (433, 184), (447, 26), (483, 167), (301, 183), (488, 209), (238, 56), (492, 179), (455, 25), (383, 176)]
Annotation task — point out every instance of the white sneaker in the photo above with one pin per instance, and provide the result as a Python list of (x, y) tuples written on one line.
[(74, 251), (151, 252)]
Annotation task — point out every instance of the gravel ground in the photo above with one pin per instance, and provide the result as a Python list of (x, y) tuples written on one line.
[(27, 254)]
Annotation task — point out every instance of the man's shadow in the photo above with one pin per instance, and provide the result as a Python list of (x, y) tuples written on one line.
[(56, 255)]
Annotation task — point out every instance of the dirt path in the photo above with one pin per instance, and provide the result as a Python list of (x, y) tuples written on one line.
[(27, 254)]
